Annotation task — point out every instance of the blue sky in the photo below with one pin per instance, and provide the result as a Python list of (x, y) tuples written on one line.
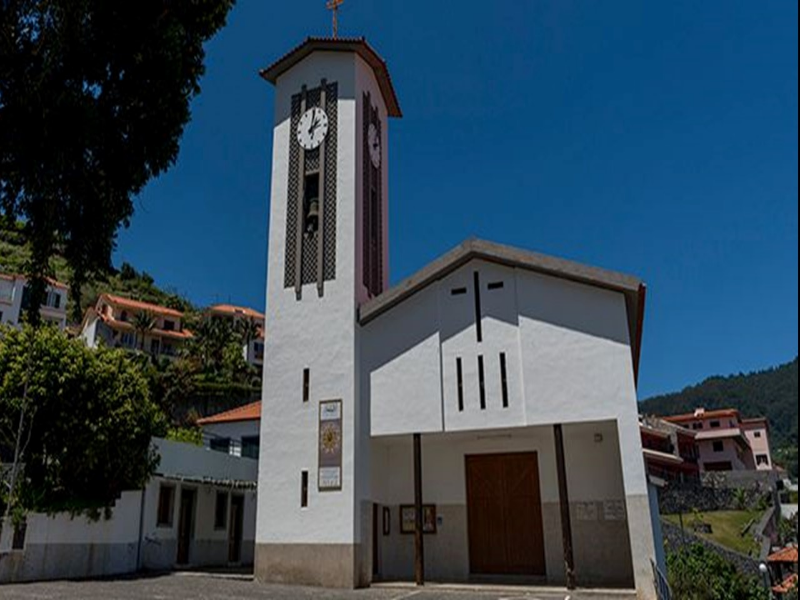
[(656, 138)]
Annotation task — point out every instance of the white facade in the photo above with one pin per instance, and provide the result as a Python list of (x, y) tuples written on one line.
[(486, 352), (112, 322), (12, 290), (136, 537), (234, 435)]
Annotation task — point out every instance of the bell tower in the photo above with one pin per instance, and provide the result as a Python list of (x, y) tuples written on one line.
[(328, 253)]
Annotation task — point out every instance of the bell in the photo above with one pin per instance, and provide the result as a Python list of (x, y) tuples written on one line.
[(312, 217)]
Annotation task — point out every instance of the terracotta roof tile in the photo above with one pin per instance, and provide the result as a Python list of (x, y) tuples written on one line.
[(138, 305), (249, 412), (709, 414), (787, 585), (230, 309), (785, 555)]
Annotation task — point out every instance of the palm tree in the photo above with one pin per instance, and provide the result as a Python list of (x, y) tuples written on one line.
[(143, 322), (249, 330)]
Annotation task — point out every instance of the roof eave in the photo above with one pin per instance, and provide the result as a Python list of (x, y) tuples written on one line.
[(359, 46), (633, 289)]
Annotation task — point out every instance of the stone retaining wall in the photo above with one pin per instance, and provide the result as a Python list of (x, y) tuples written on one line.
[(675, 539)]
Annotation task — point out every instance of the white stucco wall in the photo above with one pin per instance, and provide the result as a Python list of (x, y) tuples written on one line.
[(234, 431), (63, 547), (318, 333), (568, 357), (208, 546), (758, 436), (11, 290), (596, 490)]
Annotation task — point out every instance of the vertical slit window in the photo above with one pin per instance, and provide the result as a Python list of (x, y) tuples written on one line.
[(481, 383), (478, 324), (504, 378), (460, 376), (306, 384), (304, 489)]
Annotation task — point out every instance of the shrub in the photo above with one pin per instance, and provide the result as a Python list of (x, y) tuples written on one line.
[(696, 573)]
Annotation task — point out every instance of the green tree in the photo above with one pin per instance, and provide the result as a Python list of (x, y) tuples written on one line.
[(696, 573), (94, 96), (92, 421)]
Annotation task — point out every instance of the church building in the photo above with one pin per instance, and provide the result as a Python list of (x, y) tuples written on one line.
[(476, 422)]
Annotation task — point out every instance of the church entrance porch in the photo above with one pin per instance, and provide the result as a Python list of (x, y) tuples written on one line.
[(493, 509)]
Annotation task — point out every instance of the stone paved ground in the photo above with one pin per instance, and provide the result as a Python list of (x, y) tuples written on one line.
[(195, 586)]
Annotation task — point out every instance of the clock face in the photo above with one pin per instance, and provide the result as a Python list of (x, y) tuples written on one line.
[(374, 141), (312, 129)]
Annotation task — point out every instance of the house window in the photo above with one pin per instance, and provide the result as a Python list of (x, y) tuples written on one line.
[(719, 446), (221, 511), (126, 340), (757, 434), (220, 444), (697, 426), (169, 325), (123, 316), (306, 384), (250, 445), (762, 459), (166, 501), (258, 350), (715, 424), (155, 346)]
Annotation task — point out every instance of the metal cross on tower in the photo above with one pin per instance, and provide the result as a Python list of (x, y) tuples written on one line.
[(333, 6)]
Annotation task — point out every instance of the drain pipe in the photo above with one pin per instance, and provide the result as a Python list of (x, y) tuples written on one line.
[(141, 531)]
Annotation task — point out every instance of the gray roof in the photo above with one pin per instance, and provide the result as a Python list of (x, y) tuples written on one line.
[(355, 45), (631, 287)]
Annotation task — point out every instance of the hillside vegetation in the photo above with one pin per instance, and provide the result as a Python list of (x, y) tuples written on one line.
[(126, 281), (771, 393)]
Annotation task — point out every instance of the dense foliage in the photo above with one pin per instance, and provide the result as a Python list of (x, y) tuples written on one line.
[(94, 97), (125, 281), (88, 420), (696, 573), (771, 393), (211, 365)]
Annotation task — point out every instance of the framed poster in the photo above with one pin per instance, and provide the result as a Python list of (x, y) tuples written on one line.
[(330, 446), (408, 515)]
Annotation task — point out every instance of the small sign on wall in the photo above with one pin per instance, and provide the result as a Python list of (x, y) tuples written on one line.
[(408, 518), (330, 446)]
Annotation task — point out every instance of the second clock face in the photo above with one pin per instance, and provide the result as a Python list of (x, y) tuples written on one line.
[(374, 141), (312, 129)]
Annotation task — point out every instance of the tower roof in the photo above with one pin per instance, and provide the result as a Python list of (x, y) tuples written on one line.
[(355, 45)]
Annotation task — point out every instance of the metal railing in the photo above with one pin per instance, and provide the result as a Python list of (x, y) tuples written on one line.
[(662, 585)]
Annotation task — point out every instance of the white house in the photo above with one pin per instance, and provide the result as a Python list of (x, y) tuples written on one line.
[(14, 301), (479, 419), (197, 511), (114, 321), (235, 431), (253, 350)]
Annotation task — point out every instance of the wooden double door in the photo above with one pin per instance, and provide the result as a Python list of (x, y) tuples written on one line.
[(505, 515)]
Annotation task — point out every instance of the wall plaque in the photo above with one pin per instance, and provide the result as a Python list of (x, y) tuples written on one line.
[(330, 446)]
